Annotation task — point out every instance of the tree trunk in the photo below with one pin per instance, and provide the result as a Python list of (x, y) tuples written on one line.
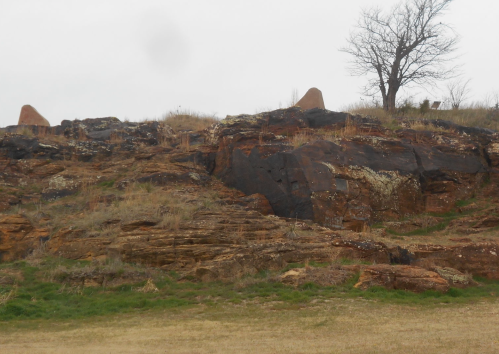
[(391, 100)]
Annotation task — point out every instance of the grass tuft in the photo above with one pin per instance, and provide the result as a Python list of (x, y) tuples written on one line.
[(188, 121)]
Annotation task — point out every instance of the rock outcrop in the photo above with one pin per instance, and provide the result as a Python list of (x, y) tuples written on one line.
[(259, 192), (350, 171), (30, 116)]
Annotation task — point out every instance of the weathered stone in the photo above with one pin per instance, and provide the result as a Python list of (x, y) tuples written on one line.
[(312, 99), (401, 277), (364, 250), (259, 203), (30, 116), (476, 258), (349, 182), (18, 237), (7, 200), (487, 222), (133, 225), (454, 277)]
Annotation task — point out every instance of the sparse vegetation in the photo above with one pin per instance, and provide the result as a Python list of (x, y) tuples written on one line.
[(55, 289), (474, 115), (188, 121), (305, 136), (25, 130)]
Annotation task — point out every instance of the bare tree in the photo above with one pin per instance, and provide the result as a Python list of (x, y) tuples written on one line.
[(492, 100), (294, 98), (405, 45), (458, 92)]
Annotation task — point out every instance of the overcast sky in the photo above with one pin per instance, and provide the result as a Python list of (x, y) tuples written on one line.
[(140, 59)]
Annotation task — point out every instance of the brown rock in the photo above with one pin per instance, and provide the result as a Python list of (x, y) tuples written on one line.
[(476, 258), (488, 221), (259, 203), (18, 237), (365, 250), (8, 200), (312, 99), (75, 244), (401, 277), (135, 224), (30, 116)]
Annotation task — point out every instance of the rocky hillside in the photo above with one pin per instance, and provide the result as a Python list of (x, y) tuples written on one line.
[(254, 192)]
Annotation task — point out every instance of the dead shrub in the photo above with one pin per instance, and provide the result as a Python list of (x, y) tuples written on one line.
[(149, 287), (4, 298), (26, 131)]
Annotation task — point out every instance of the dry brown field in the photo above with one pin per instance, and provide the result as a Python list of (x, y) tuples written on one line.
[(336, 326)]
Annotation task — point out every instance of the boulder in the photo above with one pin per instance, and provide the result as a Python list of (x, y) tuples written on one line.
[(312, 99), (30, 116), (401, 277)]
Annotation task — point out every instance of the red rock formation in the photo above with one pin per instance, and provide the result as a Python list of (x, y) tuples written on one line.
[(340, 178), (30, 116)]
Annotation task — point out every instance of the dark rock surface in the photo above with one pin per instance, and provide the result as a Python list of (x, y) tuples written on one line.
[(350, 180)]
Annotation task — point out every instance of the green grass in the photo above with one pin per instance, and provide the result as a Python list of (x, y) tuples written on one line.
[(40, 299), (463, 203), (422, 231), (107, 184)]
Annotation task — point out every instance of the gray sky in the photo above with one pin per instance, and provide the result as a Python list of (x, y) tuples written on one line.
[(140, 59)]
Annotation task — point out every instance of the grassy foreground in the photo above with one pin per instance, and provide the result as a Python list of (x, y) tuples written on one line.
[(45, 310), (47, 289)]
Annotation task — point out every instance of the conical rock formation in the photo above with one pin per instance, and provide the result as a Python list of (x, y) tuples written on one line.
[(312, 99), (30, 116)]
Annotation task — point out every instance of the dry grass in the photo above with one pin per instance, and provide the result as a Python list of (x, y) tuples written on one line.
[(149, 287), (340, 326), (365, 109), (170, 208), (188, 121), (185, 142), (305, 136), (425, 125), (25, 130), (301, 138), (474, 115)]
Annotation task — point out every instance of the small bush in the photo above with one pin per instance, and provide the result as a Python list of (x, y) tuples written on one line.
[(424, 107)]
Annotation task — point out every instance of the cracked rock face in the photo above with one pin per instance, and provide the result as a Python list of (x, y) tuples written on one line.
[(349, 181)]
